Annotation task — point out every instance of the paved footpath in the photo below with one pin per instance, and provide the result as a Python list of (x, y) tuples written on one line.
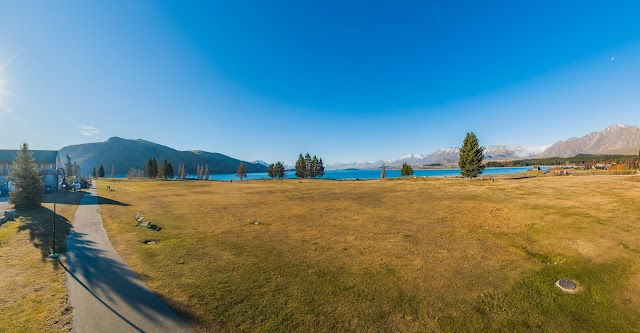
[(106, 295)]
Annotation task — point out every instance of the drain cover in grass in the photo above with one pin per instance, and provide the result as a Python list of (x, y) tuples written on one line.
[(566, 285)]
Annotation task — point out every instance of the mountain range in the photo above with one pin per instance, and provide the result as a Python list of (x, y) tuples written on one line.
[(615, 139), (124, 154), (618, 138)]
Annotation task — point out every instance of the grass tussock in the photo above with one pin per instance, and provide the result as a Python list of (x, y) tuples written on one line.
[(33, 296), (387, 255)]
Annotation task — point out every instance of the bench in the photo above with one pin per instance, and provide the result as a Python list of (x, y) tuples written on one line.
[(140, 221)]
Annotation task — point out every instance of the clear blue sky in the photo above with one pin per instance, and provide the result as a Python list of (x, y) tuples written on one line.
[(346, 80)]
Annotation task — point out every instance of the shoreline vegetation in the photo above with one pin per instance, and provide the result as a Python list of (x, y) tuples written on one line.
[(411, 254)]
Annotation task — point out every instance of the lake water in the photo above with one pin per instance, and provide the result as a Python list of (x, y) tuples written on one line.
[(375, 174)]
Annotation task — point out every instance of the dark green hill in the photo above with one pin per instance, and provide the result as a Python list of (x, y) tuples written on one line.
[(124, 154)]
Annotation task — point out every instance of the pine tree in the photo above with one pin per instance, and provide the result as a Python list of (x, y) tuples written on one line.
[(75, 170), (271, 170), (101, 171), (154, 168), (165, 169), (471, 156), (68, 166), (206, 172), (279, 169), (383, 173), (406, 170), (94, 174), (113, 171), (320, 169), (26, 180), (241, 172), (307, 165), (301, 167), (313, 167), (150, 169), (168, 172)]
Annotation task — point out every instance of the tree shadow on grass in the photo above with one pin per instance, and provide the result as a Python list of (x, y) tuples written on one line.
[(107, 201), (102, 275), (39, 223)]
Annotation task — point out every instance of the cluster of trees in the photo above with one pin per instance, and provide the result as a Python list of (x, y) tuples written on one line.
[(586, 160), (71, 169), (135, 173), (159, 171), (406, 170), (202, 172), (276, 170), (182, 173), (471, 156), (100, 172), (308, 167)]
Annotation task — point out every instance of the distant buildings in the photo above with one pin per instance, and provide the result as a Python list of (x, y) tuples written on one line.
[(46, 161)]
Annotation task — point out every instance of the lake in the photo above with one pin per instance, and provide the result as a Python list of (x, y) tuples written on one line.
[(375, 174)]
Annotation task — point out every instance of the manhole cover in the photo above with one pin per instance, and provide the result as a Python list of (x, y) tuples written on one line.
[(566, 285)]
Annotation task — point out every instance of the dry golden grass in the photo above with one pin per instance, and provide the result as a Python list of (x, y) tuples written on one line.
[(387, 255), (33, 294)]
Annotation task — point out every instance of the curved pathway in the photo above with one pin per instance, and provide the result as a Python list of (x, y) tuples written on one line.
[(106, 295)]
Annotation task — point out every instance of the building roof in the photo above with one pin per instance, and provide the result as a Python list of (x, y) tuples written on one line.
[(41, 156)]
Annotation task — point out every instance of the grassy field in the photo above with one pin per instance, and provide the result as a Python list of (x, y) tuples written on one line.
[(443, 255), (33, 294)]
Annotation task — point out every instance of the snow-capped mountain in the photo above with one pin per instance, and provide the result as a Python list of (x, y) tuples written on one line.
[(446, 156), (261, 162), (515, 151)]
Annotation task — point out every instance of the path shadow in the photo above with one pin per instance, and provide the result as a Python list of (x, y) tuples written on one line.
[(110, 281), (107, 201), (39, 224), (69, 197)]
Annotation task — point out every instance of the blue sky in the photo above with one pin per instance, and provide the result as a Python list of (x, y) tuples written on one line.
[(346, 80)]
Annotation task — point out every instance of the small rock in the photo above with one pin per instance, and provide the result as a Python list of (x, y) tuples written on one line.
[(257, 222)]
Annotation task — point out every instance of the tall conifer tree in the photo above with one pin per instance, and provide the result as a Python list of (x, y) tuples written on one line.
[(26, 179), (168, 172), (279, 169), (471, 156), (320, 169), (68, 166), (301, 167)]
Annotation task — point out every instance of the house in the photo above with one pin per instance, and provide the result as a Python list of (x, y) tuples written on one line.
[(46, 162)]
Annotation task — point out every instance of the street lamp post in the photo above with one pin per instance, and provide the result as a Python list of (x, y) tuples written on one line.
[(55, 199)]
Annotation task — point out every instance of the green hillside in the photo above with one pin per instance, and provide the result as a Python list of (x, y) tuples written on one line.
[(124, 154)]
